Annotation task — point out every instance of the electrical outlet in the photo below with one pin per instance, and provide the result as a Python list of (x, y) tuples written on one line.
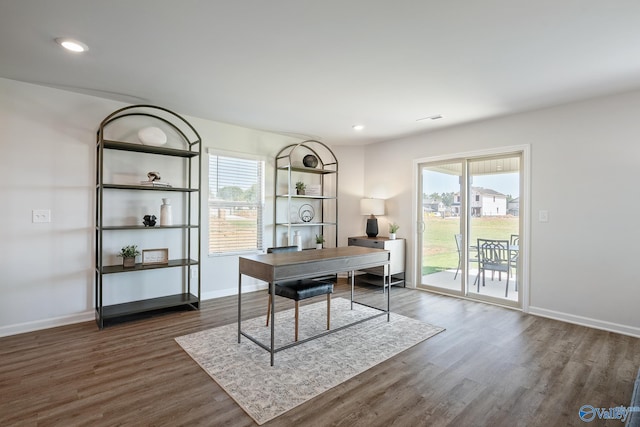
[(41, 215), (194, 273)]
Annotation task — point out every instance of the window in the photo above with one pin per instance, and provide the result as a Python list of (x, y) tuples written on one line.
[(236, 202)]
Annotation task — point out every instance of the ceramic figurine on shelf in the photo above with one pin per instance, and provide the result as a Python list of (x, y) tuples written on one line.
[(149, 220)]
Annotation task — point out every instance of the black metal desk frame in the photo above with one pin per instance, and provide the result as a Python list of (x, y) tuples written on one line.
[(277, 267)]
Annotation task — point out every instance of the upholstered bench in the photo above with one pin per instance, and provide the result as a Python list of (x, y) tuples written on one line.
[(299, 290)]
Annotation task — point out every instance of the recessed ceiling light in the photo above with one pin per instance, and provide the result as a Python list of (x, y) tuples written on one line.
[(434, 117), (72, 45), (358, 127)]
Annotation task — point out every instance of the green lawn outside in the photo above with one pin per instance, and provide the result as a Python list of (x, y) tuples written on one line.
[(439, 245)]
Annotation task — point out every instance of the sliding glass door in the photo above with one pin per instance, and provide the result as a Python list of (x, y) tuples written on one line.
[(471, 227), (494, 227), (441, 214)]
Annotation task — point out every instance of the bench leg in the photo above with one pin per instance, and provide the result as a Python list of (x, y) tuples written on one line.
[(328, 312), (297, 306)]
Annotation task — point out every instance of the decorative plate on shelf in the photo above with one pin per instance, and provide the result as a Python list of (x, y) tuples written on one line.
[(306, 212)]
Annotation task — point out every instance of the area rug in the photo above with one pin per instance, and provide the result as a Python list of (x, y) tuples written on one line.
[(306, 370)]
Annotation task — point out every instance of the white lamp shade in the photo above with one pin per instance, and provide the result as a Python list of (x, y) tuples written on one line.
[(372, 207)]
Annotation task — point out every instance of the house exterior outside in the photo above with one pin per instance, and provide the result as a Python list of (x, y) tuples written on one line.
[(487, 202), (484, 202), (513, 207), (434, 207)]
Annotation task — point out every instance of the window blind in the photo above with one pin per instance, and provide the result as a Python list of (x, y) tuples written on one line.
[(236, 189)]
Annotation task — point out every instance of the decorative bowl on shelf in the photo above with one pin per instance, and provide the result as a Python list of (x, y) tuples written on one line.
[(152, 136), (310, 161)]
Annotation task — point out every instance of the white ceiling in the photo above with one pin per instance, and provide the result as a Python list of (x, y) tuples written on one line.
[(315, 68)]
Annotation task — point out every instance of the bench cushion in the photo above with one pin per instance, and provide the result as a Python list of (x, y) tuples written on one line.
[(303, 289)]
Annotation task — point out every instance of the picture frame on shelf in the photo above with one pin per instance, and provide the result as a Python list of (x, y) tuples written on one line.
[(155, 256), (313, 190)]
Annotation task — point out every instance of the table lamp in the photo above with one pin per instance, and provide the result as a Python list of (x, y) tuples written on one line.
[(372, 207)]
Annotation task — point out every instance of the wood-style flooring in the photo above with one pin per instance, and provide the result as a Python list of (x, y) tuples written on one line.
[(491, 367)]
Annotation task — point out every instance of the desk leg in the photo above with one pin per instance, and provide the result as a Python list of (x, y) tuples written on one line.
[(388, 295), (353, 279), (273, 320), (239, 306)]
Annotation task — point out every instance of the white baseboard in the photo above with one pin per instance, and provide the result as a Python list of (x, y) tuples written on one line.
[(89, 315), (233, 291), (586, 321), (38, 325)]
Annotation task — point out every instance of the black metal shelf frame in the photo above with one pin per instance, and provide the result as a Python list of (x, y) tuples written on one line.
[(190, 139), (290, 160)]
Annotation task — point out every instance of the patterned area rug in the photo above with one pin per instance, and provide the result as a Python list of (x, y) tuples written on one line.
[(304, 371)]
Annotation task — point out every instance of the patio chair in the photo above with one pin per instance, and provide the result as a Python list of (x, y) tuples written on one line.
[(493, 255), (514, 256), (458, 238), (298, 290)]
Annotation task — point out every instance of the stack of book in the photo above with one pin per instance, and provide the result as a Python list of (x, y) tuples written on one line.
[(155, 183)]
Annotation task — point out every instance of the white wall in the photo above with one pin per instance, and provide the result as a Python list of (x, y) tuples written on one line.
[(350, 191), (47, 157), (583, 155)]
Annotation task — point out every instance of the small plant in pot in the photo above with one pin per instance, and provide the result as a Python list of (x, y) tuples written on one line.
[(393, 228), (319, 241), (128, 254), (300, 188)]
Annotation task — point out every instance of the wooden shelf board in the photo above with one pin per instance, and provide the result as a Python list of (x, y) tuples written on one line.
[(374, 279), (134, 307), (305, 224), (152, 149), (305, 196), (307, 170), (146, 187), (142, 227), (108, 269)]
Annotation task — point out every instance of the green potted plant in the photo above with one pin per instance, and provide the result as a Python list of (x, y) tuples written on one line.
[(319, 241), (300, 188), (393, 228), (128, 254)]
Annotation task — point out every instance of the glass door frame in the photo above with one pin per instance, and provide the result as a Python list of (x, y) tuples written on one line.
[(524, 221)]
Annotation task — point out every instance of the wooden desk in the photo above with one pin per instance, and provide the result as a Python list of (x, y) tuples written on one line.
[(283, 266)]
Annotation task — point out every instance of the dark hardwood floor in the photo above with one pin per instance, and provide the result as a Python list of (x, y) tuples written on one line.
[(491, 367)]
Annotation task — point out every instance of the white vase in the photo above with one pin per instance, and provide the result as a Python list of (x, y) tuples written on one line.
[(298, 240), (392, 236), (165, 213), (318, 245)]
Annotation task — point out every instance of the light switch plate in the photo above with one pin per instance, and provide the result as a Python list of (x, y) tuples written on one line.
[(543, 216)]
